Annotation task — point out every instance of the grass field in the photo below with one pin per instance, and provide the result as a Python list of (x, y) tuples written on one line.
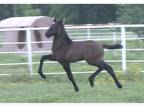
[(20, 88), (57, 88)]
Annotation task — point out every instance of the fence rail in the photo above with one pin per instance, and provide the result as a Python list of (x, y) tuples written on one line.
[(121, 36)]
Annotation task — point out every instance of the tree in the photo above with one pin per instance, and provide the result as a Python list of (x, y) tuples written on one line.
[(10, 10), (73, 13), (69, 12), (132, 14), (25, 10), (44, 8), (84, 13), (100, 13), (5, 11)]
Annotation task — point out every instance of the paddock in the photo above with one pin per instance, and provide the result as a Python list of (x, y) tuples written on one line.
[(19, 69)]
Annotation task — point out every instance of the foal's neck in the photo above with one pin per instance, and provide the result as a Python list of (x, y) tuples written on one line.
[(61, 40)]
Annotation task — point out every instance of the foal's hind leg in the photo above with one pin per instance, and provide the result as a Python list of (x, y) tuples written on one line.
[(43, 58), (109, 69), (91, 78), (67, 69)]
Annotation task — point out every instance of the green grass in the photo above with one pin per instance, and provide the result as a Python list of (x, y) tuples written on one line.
[(20, 88), (57, 88)]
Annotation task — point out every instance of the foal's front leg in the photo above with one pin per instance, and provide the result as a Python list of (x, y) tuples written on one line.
[(43, 58), (70, 76)]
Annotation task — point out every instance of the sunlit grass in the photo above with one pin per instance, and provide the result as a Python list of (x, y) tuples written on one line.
[(57, 88)]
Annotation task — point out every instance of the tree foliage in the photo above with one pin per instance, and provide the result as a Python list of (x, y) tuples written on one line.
[(84, 13), (25, 10), (132, 14), (78, 13), (5, 11), (73, 13)]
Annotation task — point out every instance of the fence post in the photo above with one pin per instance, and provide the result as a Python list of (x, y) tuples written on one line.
[(88, 32), (114, 35), (114, 38), (123, 42), (29, 48)]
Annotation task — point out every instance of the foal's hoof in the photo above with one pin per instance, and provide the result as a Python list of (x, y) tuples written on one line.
[(119, 86), (76, 89), (91, 82), (43, 76)]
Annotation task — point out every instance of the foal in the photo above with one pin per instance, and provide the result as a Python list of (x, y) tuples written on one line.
[(66, 51)]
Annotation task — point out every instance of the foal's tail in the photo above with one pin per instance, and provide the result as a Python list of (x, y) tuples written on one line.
[(115, 46)]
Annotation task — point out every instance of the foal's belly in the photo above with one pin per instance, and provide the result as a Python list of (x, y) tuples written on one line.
[(74, 55)]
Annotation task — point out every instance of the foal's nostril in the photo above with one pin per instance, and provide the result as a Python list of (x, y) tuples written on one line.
[(46, 34)]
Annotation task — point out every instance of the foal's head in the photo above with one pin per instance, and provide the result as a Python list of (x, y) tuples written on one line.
[(55, 28)]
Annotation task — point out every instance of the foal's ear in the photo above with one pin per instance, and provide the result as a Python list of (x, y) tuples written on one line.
[(54, 19)]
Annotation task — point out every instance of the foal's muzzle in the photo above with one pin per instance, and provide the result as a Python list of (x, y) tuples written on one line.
[(48, 34)]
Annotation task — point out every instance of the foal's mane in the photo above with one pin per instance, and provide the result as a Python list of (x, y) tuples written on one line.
[(66, 37)]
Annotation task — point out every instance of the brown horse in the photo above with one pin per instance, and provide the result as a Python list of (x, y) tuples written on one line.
[(66, 51)]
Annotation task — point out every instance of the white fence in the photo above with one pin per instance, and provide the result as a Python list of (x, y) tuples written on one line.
[(88, 32)]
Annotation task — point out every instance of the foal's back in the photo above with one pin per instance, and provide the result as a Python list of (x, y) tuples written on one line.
[(85, 50)]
